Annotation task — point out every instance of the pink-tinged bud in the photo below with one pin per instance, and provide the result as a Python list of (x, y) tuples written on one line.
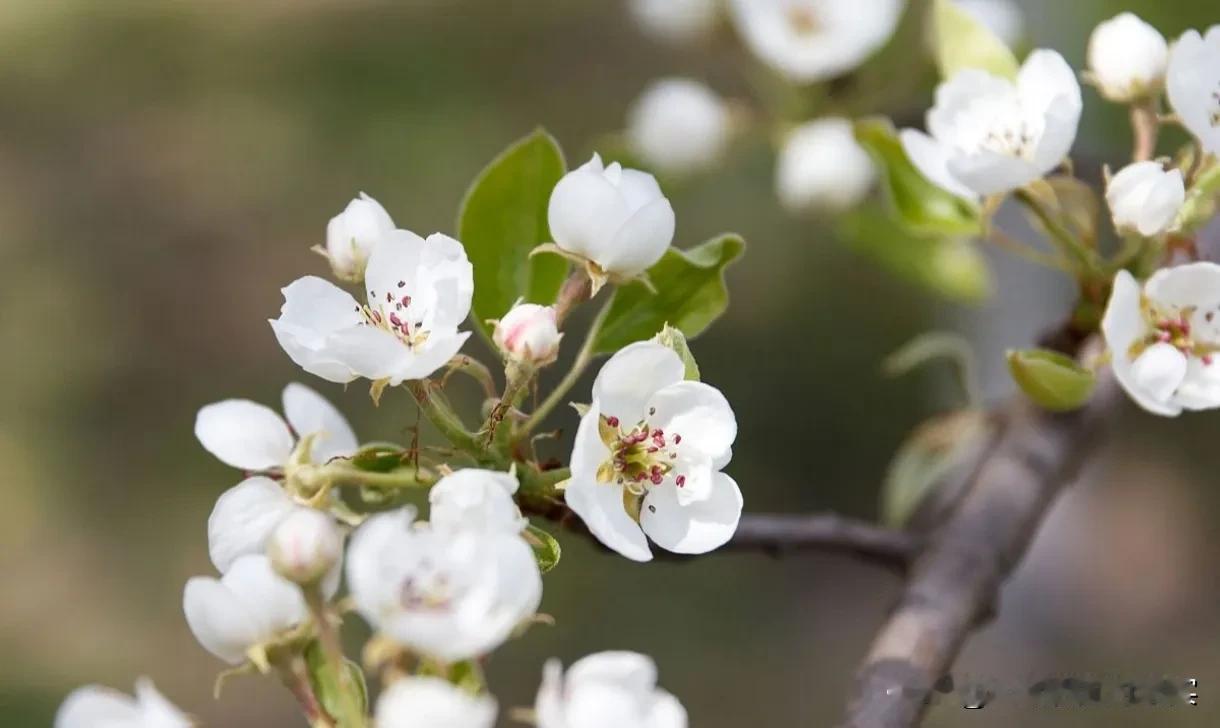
[(528, 333), (305, 546)]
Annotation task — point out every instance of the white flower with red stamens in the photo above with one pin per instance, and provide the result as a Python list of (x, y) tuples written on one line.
[(478, 499), (1164, 339), (255, 438), (430, 702), (648, 456), (528, 333), (419, 292), (94, 706), (449, 594), (1193, 83), (352, 234), (606, 689)]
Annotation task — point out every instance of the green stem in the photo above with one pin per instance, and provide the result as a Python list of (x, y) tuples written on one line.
[(295, 677), (344, 475), (350, 711), (444, 419), (474, 369), (1083, 258), (583, 358)]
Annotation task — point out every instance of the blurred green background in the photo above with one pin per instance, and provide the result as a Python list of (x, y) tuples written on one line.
[(164, 168)]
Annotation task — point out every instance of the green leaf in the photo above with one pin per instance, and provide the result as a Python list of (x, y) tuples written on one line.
[(932, 345), (922, 205), (379, 457), (950, 267), (329, 687), (1052, 380), (675, 341), (503, 217), (690, 294), (546, 548), (933, 451), (962, 42)]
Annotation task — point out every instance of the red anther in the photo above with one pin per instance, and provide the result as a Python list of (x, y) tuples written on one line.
[(612, 421), (395, 320), (1207, 360), (681, 481), (1163, 336), (657, 478), (677, 439), (406, 301)]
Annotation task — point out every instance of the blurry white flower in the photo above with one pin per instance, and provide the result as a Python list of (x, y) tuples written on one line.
[(1163, 341), (822, 167), (1144, 197), (419, 292), (648, 456), (249, 606), (449, 594), (1001, 17), (479, 499), (606, 689), (615, 218), (1127, 58), (989, 135), (305, 546), (253, 437), (812, 40), (678, 125), (1194, 84), (429, 702), (676, 21), (94, 706), (352, 234), (528, 333)]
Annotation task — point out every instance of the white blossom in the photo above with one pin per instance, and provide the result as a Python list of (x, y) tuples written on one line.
[(450, 594), (648, 455), (617, 219), (305, 546), (988, 135), (419, 292), (1127, 58), (430, 702), (528, 333), (812, 40), (249, 606), (1164, 339), (1194, 84), (1002, 17), (94, 706), (1145, 197), (606, 689), (255, 438), (352, 234), (821, 166), (479, 499), (676, 21), (678, 125)]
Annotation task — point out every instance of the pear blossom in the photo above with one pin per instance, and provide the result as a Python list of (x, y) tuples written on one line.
[(419, 292), (821, 166), (94, 706), (255, 438), (676, 21), (606, 689), (430, 702), (450, 594), (1164, 338), (648, 455), (305, 546), (1193, 82), (812, 40), (616, 220), (1002, 17), (249, 606), (528, 333), (989, 135), (352, 234), (473, 498), (678, 125), (1145, 197), (1127, 58)]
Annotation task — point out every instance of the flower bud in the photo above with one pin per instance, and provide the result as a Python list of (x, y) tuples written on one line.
[(305, 546), (821, 166), (352, 234), (676, 21), (614, 218), (678, 125), (1127, 58), (528, 333), (1144, 197)]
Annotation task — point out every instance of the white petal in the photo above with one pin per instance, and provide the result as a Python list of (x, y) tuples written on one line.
[(695, 528), (548, 705), (629, 379), (641, 241), (1047, 83), (1200, 390), (955, 111), (474, 498), (932, 160), (157, 711), (988, 173), (243, 518), (699, 413), (600, 506), (1122, 325), (588, 450), (1194, 74), (585, 211), (370, 577), (666, 712), (244, 434), (1192, 284), (223, 625), (299, 343), (448, 271), (1159, 371), (310, 413), (393, 266), (435, 354), (313, 309), (630, 670), (370, 352), (94, 706), (274, 602), (429, 702)]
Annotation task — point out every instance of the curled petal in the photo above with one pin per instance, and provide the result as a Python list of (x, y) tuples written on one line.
[(244, 434), (696, 528)]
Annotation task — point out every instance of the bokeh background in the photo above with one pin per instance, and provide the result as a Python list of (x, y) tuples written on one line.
[(164, 168)]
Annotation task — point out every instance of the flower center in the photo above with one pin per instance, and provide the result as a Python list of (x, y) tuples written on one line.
[(392, 312), (1174, 328), (1011, 141), (428, 591), (639, 457)]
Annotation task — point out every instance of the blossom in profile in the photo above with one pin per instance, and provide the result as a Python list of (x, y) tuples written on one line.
[(606, 689), (94, 706)]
